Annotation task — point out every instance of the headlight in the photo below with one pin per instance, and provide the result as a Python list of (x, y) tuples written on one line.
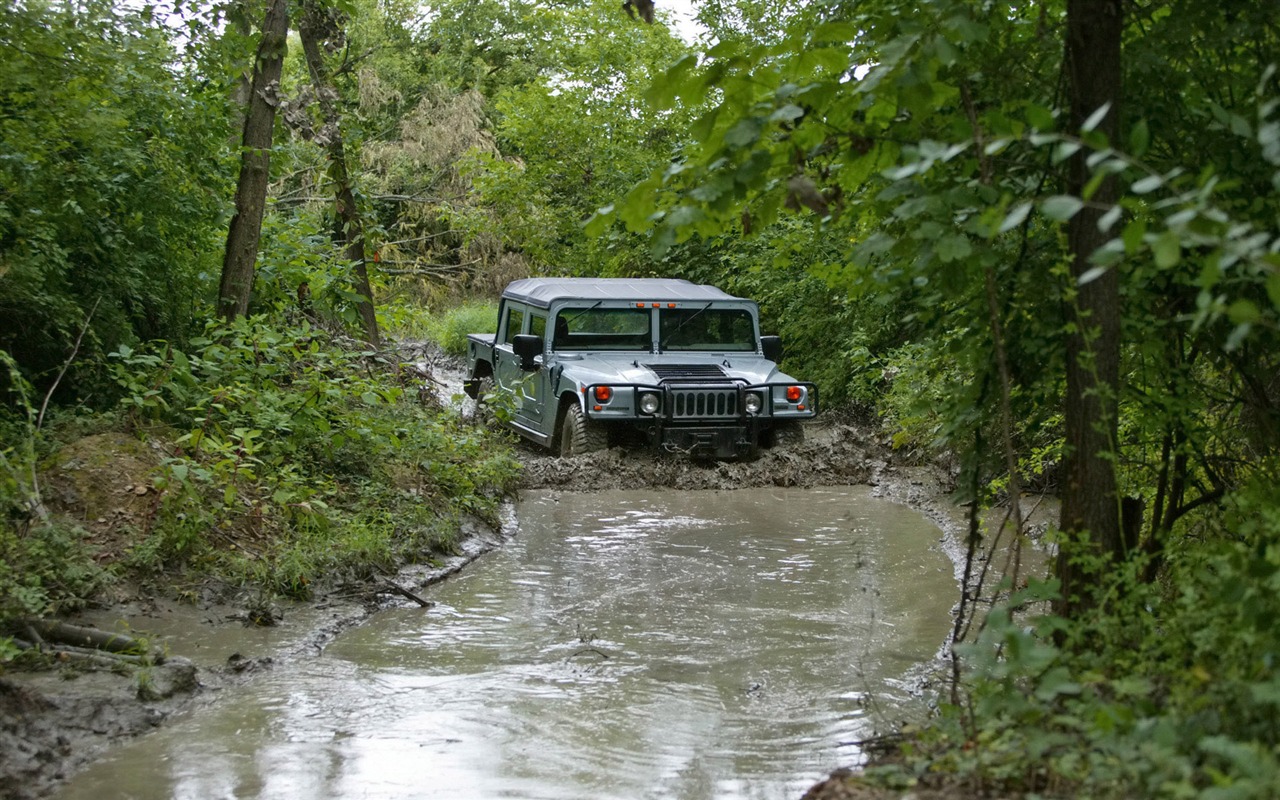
[(753, 402), (649, 403)]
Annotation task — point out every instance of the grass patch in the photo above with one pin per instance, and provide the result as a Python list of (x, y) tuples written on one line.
[(450, 328)]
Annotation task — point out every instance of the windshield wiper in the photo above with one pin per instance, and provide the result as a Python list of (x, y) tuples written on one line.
[(587, 310), (662, 345)]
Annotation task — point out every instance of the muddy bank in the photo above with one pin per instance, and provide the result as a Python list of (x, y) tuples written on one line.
[(59, 718), (56, 721)]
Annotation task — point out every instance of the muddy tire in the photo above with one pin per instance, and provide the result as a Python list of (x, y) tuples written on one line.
[(579, 435), (786, 435), (481, 413)]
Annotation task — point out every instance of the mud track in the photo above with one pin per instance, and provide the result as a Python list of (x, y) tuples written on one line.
[(56, 722)]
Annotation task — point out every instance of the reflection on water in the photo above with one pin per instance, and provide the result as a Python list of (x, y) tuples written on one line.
[(624, 645)]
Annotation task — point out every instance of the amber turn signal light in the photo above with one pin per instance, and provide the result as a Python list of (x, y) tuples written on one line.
[(794, 394), (603, 394)]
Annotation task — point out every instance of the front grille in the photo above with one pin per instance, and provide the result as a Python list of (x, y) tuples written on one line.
[(704, 403), (699, 372)]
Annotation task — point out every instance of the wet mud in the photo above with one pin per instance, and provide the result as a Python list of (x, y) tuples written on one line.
[(54, 723)]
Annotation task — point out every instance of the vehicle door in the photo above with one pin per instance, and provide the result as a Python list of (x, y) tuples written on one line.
[(533, 402), (525, 387), (506, 368)]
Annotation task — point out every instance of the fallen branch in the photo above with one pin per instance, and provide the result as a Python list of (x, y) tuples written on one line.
[(403, 592)]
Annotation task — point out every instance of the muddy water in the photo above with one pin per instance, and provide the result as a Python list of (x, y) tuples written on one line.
[(623, 645)]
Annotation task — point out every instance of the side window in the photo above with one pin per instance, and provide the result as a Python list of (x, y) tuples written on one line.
[(515, 321), (538, 325)]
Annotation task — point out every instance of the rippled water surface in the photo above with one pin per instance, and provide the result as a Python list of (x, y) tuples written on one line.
[(624, 645)]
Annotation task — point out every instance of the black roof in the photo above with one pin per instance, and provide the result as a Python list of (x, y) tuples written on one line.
[(544, 291)]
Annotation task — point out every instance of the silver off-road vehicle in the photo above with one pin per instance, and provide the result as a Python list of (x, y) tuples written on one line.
[(592, 362)]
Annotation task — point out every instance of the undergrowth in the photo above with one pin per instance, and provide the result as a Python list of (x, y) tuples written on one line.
[(298, 459), (1169, 690), (293, 459), (448, 328), (45, 564)]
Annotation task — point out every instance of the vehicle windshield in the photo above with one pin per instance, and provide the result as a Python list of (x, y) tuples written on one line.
[(706, 329), (594, 328)]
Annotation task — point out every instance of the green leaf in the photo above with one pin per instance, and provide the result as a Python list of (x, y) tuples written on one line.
[(1061, 207), (1108, 220), (1095, 119), (835, 32), (1134, 234), (1147, 184), (599, 221), (1040, 117), (1273, 289), (829, 59), (1167, 250), (1139, 138), (1243, 312), (1065, 150), (787, 113), (1015, 217), (744, 133), (1092, 274), (953, 247), (675, 81)]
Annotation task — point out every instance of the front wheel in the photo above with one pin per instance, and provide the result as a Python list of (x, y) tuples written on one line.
[(579, 435), (786, 435)]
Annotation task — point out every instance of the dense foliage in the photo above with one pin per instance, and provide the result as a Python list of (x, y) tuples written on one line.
[(314, 460), (111, 197), (929, 145), (893, 181)]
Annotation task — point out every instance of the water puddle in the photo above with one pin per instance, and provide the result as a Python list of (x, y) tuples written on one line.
[(631, 644)]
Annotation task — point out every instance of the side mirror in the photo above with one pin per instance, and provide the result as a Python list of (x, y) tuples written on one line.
[(527, 347), (771, 346)]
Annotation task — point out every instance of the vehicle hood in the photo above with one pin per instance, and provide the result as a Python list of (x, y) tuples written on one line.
[(649, 369)]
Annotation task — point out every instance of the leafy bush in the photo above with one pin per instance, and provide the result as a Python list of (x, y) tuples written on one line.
[(111, 219), (305, 457), (44, 565), (1169, 690)]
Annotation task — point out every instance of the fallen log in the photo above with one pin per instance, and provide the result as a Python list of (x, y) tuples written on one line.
[(80, 636)]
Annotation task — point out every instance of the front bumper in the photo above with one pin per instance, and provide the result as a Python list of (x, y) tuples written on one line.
[(720, 420)]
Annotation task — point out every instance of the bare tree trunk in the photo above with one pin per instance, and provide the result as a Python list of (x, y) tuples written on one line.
[(1090, 504), (240, 90), (251, 191), (350, 227)]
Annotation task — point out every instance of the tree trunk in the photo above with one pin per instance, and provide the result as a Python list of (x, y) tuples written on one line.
[(1090, 506), (350, 228), (251, 191)]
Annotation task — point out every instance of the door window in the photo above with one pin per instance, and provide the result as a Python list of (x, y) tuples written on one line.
[(515, 323)]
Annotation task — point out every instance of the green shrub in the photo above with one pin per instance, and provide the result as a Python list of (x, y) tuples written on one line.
[(450, 329), (45, 566), (310, 459), (1166, 690)]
